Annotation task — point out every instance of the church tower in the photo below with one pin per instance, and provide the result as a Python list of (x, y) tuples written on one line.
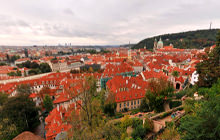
[(155, 45), (129, 54), (160, 44)]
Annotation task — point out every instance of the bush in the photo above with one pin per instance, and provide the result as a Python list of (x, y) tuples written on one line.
[(139, 132), (144, 106), (118, 115), (136, 122), (180, 94), (148, 125), (174, 104), (135, 111), (125, 122)]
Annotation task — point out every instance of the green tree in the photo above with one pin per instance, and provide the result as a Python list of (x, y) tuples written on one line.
[(170, 133), (139, 132), (23, 89), (175, 73), (3, 98), (44, 67), (18, 114), (90, 119), (48, 103), (158, 96), (148, 125), (144, 106), (209, 68), (203, 121)]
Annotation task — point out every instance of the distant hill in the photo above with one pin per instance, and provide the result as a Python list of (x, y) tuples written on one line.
[(184, 40)]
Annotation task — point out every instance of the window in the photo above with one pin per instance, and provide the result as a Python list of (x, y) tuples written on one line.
[(134, 102), (124, 104), (138, 101), (120, 105), (127, 103), (131, 102)]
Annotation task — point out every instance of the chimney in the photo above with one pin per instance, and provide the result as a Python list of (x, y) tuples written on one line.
[(126, 81)]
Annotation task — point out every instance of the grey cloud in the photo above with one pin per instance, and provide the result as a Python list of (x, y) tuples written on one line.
[(114, 21)]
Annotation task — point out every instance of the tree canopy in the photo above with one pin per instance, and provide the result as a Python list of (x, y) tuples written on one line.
[(17, 114), (209, 68)]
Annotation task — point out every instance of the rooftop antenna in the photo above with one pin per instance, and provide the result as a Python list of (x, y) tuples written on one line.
[(210, 27)]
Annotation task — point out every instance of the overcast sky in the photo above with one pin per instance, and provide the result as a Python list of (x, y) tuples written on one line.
[(101, 22)]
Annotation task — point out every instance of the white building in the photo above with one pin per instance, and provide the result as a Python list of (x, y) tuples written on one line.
[(194, 78)]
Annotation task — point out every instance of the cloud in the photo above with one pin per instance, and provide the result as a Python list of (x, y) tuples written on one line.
[(100, 21)]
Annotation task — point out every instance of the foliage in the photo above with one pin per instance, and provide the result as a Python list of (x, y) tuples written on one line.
[(48, 103), (134, 111), (204, 123), (174, 104), (44, 68), (125, 123), (2, 63), (118, 115), (35, 67), (180, 94), (148, 125), (17, 73), (139, 132), (91, 120), (34, 71), (111, 132), (136, 122), (175, 73), (14, 58), (23, 89), (17, 114), (3, 98), (109, 104), (8, 129), (192, 39), (209, 68), (160, 91), (90, 68), (110, 109), (170, 133), (124, 136), (144, 106)]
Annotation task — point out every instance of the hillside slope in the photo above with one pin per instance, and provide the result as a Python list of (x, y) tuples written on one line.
[(191, 39)]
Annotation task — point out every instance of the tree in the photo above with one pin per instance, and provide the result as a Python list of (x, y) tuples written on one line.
[(209, 68), (91, 69), (170, 133), (44, 91), (110, 104), (144, 106), (175, 73), (3, 98), (203, 121), (139, 132), (26, 52), (23, 89), (48, 103), (44, 67), (148, 125), (157, 96), (89, 122), (18, 114)]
